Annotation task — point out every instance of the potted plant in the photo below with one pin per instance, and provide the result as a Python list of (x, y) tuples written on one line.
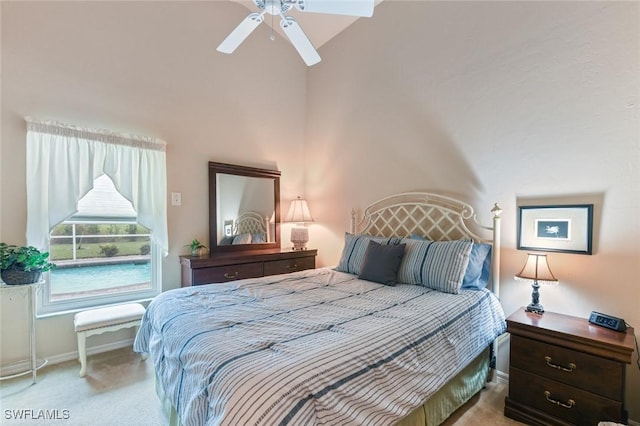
[(22, 265), (196, 247)]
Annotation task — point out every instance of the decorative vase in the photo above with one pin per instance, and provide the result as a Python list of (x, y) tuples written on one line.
[(19, 276)]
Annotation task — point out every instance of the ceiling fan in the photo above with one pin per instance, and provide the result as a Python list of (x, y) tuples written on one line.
[(289, 25)]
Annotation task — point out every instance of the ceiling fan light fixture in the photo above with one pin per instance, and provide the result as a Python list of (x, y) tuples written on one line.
[(274, 7), (290, 26)]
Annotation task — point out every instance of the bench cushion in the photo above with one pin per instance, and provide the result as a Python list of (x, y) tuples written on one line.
[(104, 317)]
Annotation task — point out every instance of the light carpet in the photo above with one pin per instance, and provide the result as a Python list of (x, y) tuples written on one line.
[(119, 390)]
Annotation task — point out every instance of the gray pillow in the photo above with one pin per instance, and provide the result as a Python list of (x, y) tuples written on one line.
[(381, 263)]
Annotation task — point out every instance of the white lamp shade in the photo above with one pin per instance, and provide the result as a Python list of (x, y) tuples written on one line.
[(298, 212), (536, 268)]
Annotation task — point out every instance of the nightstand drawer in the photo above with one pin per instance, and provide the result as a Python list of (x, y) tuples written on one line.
[(562, 401), (289, 265), (219, 274), (587, 372)]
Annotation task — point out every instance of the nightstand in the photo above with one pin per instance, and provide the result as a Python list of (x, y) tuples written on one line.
[(564, 370)]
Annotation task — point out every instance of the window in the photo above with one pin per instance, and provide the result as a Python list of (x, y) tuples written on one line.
[(105, 221)]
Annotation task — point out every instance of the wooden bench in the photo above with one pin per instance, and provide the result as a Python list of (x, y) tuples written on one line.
[(101, 320)]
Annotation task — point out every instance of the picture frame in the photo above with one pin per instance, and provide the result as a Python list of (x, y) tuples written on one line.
[(557, 228), (228, 228)]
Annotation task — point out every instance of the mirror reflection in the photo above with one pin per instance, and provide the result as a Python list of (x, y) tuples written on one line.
[(244, 208), (244, 204)]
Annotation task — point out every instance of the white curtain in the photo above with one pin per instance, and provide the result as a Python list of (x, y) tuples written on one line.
[(64, 160)]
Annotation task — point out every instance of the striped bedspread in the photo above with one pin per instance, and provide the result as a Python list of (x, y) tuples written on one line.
[(312, 347)]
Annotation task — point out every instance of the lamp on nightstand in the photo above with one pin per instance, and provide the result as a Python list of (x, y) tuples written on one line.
[(536, 269), (299, 213)]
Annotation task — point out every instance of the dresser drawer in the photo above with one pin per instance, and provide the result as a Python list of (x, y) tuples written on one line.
[(564, 402), (588, 372), (289, 265), (220, 274)]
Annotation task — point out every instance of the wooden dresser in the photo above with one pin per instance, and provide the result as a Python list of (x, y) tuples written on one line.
[(220, 268), (565, 371)]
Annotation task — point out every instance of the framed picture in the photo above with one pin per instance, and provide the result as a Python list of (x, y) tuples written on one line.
[(228, 228), (565, 229)]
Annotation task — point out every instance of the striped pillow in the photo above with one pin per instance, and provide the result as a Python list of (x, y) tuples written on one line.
[(439, 265), (355, 246)]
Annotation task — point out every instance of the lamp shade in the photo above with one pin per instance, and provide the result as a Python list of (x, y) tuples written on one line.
[(298, 212), (536, 268)]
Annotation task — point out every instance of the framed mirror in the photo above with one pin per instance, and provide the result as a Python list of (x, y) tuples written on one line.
[(244, 208)]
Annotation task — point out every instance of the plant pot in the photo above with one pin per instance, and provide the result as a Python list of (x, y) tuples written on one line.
[(199, 252), (19, 276)]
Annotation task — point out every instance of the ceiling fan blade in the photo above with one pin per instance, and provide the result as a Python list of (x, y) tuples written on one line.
[(300, 40), (362, 8), (240, 33)]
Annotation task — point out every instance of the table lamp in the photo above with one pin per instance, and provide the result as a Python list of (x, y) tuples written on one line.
[(536, 269), (299, 213)]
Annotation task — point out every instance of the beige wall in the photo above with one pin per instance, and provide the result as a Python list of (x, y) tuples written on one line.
[(149, 68), (494, 102)]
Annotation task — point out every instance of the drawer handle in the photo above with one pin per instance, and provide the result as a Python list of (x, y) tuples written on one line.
[(230, 275), (569, 404), (294, 266), (569, 369)]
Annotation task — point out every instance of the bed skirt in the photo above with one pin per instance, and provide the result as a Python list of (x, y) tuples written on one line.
[(453, 395), (441, 405)]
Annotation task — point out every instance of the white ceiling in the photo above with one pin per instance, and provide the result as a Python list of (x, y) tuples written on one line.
[(319, 27)]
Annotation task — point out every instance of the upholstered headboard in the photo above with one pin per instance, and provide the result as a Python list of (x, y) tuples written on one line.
[(252, 223), (432, 216)]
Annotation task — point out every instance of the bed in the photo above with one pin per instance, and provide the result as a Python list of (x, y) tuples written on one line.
[(343, 345), (248, 228)]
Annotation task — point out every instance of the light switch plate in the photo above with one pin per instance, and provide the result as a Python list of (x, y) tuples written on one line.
[(176, 198)]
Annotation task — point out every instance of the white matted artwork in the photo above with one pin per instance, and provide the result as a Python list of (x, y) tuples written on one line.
[(562, 228)]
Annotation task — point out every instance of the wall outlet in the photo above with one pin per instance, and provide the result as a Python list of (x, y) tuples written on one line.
[(176, 198)]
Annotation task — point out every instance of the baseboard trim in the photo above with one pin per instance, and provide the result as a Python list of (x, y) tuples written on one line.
[(501, 377), (17, 367)]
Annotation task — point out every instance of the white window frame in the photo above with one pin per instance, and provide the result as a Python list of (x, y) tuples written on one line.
[(63, 161), (46, 307)]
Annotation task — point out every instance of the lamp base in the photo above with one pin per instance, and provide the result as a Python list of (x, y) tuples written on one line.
[(535, 305), (299, 238), (536, 308)]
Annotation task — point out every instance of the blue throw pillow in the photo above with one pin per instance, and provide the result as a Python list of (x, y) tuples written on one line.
[(477, 275), (381, 263), (257, 238)]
